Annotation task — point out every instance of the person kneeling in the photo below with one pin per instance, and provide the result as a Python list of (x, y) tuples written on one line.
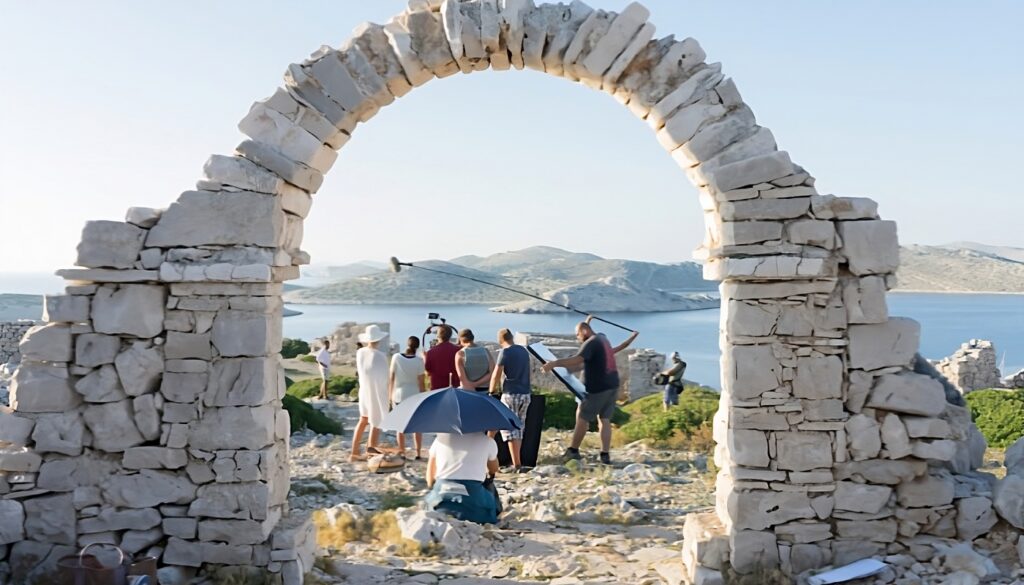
[(460, 472)]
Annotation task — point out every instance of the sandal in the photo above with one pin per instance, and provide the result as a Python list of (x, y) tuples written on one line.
[(356, 457), (374, 451)]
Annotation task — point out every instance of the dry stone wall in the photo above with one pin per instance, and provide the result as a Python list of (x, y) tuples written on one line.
[(972, 367), (11, 333), (146, 411)]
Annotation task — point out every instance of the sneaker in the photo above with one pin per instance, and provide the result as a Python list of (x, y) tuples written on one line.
[(606, 459), (571, 455), (522, 469), (507, 469)]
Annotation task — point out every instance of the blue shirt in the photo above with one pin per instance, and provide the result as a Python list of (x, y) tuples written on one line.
[(516, 363)]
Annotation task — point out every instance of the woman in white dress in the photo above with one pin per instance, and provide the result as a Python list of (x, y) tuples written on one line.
[(372, 369), (407, 380)]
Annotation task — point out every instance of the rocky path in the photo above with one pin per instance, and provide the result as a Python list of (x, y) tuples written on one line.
[(577, 524)]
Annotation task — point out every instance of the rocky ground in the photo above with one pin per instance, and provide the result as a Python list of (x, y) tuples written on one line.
[(578, 524)]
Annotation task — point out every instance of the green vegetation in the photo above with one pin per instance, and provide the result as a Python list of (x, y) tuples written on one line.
[(310, 387), (292, 348), (648, 420), (393, 499), (304, 416), (309, 359), (560, 410), (999, 415)]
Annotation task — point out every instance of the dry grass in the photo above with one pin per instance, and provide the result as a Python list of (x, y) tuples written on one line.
[(380, 528)]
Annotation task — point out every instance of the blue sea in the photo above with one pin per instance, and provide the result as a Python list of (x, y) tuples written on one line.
[(947, 321)]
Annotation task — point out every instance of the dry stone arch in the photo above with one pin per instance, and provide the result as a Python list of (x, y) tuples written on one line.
[(147, 409)]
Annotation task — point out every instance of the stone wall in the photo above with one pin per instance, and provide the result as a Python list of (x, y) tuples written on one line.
[(345, 341), (146, 411), (11, 333), (972, 367)]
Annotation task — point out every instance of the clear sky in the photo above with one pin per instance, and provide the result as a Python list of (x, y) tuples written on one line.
[(112, 104)]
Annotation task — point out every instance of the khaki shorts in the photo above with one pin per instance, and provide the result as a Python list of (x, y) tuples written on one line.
[(600, 405)]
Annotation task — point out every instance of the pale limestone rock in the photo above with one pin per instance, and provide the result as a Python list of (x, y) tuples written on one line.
[(144, 217), (240, 501), (307, 118), (937, 450), (112, 426), (337, 80), (154, 458), (932, 428), (750, 172), (40, 387), (864, 440), (684, 124), (109, 244), (139, 367), (766, 267), (183, 553), (858, 390), (244, 174), (512, 21), (46, 343), (263, 124), (180, 527), (851, 208), (863, 498), (374, 44), (803, 451), (236, 532), (762, 509), (51, 519), (268, 157), (690, 91), (65, 308), (865, 300), (748, 371), (882, 471), (926, 491), (101, 385), (872, 530), (95, 349), (12, 521), (818, 377), (974, 517), (15, 429), (870, 247), (626, 26), (136, 541), (110, 519), (19, 460), (908, 393), (714, 138), (202, 218), (548, 32), (129, 309), (751, 550), (747, 319), (880, 345), (183, 388), (148, 489), (895, 438), (764, 209), (749, 448), (187, 346), (419, 43), (736, 233), (234, 428), (812, 232), (243, 382), (244, 333), (147, 417), (760, 143)]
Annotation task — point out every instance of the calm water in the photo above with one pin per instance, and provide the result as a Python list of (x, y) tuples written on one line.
[(947, 320)]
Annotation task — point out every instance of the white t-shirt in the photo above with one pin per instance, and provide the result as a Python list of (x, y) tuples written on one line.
[(463, 456), (324, 359), (407, 371)]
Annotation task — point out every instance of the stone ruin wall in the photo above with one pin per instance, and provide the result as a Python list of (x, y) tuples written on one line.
[(11, 333), (972, 367), (146, 411)]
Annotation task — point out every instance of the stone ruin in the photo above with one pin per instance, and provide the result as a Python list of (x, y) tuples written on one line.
[(972, 367), (11, 333), (146, 411), (345, 341)]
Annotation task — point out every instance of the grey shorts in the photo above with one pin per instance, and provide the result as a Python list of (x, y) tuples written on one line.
[(599, 405)]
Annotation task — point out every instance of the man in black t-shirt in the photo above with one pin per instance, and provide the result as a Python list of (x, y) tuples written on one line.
[(601, 378)]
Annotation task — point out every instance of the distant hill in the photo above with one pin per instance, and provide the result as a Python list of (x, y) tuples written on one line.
[(1007, 252), (944, 269)]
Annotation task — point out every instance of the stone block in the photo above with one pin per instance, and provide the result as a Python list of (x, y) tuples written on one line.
[(136, 541), (46, 343), (129, 309), (267, 156), (685, 123), (870, 247), (110, 519), (863, 498), (243, 382), (144, 217), (203, 218), (12, 521), (62, 433), (865, 300), (932, 428), (51, 519), (139, 368), (803, 451), (749, 371), (752, 550), (764, 209), (686, 93), (148, 488), (234, 428), (870, 530), (880, 345), (235, 501), (852, 208), (109, 244), (183, 553), (863, 436), (974, 517), (65, 308), (38, 387), (19, 460), (15, 429), (936, 450), (154, 458), (183, 388), (147, 417), (926, 491), (112, 426), (619, 36), (101, 385), (750, 319), (748, 448), (187, 346), (761, 509), (274, 128), (908, 393), (180, 527), (894, 437), (812, 232), (737, 233), (95, 349), (245, 333), (818, 377), (237, 532), (750, 172)]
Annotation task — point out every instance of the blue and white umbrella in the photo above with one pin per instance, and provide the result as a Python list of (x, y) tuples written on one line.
[(451, 410)]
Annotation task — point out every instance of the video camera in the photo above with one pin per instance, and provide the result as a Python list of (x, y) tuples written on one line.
[(436, 321)]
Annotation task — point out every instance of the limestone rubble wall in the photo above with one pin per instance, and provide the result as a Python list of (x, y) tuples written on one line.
[(972, 367), (146, 411), (11, 333)]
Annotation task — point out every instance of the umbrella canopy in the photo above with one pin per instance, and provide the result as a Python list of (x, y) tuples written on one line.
[(451, 410)]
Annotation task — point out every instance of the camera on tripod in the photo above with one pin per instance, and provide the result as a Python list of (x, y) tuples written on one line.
[(436, 322)]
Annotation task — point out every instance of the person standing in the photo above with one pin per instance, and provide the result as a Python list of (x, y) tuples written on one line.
[(372, 370), (323, 361), (440, 360), (601, 378), (512, 370), (407, 379), (473, 363), (674, 380)]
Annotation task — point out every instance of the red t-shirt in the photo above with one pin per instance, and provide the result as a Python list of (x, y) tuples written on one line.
[(440, 363)]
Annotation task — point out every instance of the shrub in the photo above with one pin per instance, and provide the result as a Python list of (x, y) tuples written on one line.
[(648, 420), (999, 415), (304, 416), (560, 410), (310, 387), (291, 348), (309, 359)]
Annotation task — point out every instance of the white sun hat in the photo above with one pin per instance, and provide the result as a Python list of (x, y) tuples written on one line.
[(372, 333)]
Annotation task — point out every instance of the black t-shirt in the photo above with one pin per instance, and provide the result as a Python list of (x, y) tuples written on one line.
[(599, 371)]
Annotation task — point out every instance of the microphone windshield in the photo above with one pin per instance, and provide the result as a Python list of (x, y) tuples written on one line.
[(396, 266)]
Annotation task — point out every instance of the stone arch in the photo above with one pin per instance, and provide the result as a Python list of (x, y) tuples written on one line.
[(147, 410)]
